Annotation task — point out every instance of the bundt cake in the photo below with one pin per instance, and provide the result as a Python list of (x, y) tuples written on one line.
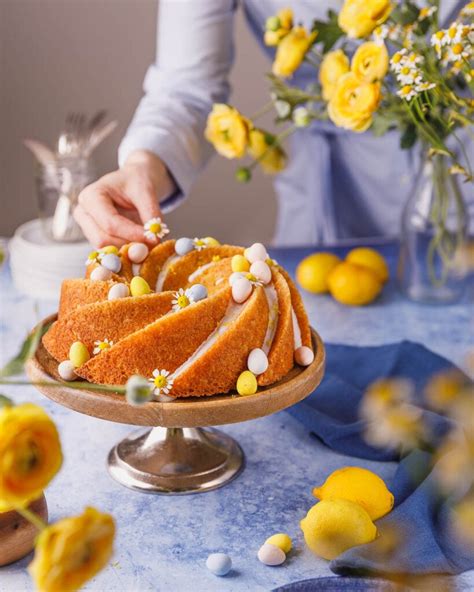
[(193, 316)]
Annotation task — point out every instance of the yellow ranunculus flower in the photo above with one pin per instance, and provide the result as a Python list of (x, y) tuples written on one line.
[(72, 551), (333, 66), (291, 51), (227, 130), (370, 62), (30, 454), (278, 26), (275, 158), (353, 103), (358, 18)]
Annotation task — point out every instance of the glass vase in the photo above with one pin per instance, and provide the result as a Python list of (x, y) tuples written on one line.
[(433, 236)]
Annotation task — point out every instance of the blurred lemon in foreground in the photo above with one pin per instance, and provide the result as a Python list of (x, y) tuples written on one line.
[(354, 285), (371, 259), (333, 526), (358, 485), (312, 273)]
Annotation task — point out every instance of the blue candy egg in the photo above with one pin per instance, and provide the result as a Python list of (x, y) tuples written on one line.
[(219, 564), (183, 246), (197, 292), (111, 262)]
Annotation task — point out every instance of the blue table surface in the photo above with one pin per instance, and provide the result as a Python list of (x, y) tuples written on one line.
[(162, 542)]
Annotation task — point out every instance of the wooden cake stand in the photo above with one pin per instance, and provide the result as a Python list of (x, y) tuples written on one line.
[(176, 455)]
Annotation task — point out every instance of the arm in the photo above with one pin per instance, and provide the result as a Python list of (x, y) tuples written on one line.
[(164, 149)]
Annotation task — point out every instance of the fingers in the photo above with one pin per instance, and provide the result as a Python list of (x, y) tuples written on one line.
[(94, 234), (101, 209), (147, 205)]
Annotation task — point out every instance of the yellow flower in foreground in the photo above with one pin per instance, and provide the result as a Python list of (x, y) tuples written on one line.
[(333, 66), (291, 51), (72, 551), (30, 454), (278, 26), (227, 130), (358, 18), (370, 62), (353, 103), (274, 159)]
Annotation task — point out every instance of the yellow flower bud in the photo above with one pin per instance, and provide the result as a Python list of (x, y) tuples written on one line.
[(353, 103), (291, 51), (227, 130), (333, 66), (30, 454), (370, 62), (272, 159), (358, 18)]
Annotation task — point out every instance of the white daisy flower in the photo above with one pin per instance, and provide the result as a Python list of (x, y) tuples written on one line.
[(155, 228), (199, 244), (398, 60), (407, 92), (409, 76), (423, 86), (427, 12), (100, 346), (253, 280), (93, 257), (181, 300), (162, 382)]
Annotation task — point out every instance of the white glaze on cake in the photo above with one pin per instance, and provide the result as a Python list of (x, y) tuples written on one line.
[(160, 280), (200, 270), (136, 268), (272, 300), (296, 330)]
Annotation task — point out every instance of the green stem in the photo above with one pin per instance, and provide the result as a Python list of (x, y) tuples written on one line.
[(265, 109), (37, 522), (74, 385)]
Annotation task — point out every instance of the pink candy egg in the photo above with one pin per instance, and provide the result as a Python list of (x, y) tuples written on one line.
[(304, 356), (100, 274), (118, 291), (256, 252), (241, 290), (261, 271), (257, 361), (137, 252)]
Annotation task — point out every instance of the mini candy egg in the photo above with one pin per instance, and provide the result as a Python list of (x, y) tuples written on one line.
[(211, 242), (237, 275), (112, 262), (256, 252), (118, 291), (66, 371), (241, 290), (137, 252), (183, 245), (100, 273), (304, 356), (261, 271), (78, 354), (246, 383), (197, 292), (240, 263), (257, 362), (219, 564), (280, 540), (271, 555), (139, 286), (110, 249)]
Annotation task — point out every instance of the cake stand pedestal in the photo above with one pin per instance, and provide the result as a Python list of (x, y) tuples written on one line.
[(177, 455)]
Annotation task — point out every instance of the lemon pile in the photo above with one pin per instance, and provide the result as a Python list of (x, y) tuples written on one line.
[(350, 500), (356, 281)]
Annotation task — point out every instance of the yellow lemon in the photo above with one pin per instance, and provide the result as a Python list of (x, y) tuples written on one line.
[(280, 540), (354, 285), (312, 273), (139, 286), (369, 258), (247, 383), (78, 354), (239, 263), (333, 526), (360, 486)]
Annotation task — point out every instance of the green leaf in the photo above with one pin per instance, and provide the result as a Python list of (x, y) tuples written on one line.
[(381, 125), (328, 31), (5, 401), (405, 13), (27, 351), (409, 137)]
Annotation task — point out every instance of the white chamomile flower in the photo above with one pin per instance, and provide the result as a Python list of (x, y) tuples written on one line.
[(181, 300), (427, 12), (423, 86), (100, 346), (93, 257), (398, 60), (407, 92), (199, 244), (162, 382), (155, 228), (457, 52), (253, 280)]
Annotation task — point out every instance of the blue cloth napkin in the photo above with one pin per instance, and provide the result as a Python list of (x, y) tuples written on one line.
[(420, 516)]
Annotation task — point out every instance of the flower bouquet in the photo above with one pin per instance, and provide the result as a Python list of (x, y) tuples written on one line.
[(379, 66)]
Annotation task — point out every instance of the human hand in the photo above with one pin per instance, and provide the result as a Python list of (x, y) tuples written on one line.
[(113, 209)]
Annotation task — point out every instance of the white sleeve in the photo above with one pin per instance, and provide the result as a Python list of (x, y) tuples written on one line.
[(194, 56)]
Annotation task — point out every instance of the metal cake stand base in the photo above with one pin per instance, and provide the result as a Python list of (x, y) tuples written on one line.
[(174, 461)]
